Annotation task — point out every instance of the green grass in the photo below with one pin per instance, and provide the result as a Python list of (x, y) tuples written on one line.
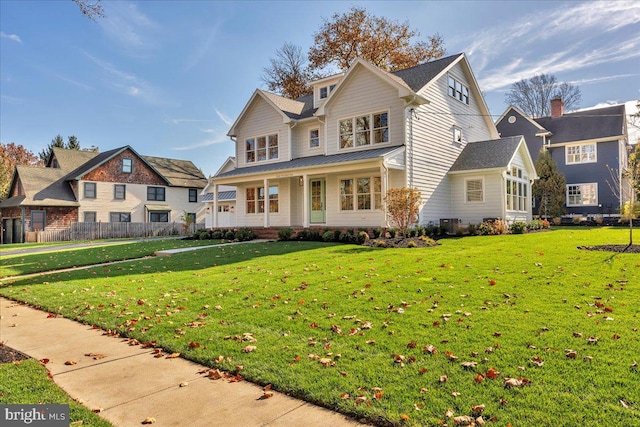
[(522, 296), (19, 264), (28, 382)]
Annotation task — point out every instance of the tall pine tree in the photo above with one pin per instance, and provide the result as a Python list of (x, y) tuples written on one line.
[(550, 187)]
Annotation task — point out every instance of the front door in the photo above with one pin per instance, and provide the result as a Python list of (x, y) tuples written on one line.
[(7, 228), (17, 230), (317, 201)]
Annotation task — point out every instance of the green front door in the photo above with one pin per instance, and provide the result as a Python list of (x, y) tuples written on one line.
[(317, 200)]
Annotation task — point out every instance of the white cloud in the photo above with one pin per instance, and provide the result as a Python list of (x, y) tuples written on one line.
[(600, 79), (127, 83), (217, 140), (225, 119), (13, 37), (129, 27), (576, 30)]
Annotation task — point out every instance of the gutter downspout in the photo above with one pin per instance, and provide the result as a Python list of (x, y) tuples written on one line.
[(409, 162), (385, 188)]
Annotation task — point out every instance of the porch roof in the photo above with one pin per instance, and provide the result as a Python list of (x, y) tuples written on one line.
[(312, 161)]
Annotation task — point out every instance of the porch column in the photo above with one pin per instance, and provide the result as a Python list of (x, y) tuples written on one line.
[(214, 214), (266, 202), (305, 201), (384, 185)]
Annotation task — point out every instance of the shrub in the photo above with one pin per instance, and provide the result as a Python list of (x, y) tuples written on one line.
[(403, 206), (377, 232), (518, 227), (577, 219), (493, 227), (392, 232), (285, 233), (472, 229), (430, 230), (346, 237), (309, 235), (546, 224), (534, 224), (217, 234), (459, 231), (380, 243), (229, 235), (328, 236), (244, 234), (420, 231), (428, 241), (362, 237), (412, 244), (204, 235)]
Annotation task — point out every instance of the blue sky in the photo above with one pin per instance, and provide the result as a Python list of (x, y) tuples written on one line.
[(169, 77)]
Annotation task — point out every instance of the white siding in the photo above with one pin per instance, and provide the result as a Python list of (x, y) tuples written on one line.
[(262, 119), (474, 212), (177, 198), (364, 93), (300, 143), (434, 150)]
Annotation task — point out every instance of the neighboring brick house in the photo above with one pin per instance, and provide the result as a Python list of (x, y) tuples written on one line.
[(328, 159), (118, 185), (587, 147)]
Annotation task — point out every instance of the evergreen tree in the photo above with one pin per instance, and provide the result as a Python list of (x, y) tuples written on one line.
[(550, 187), (58, 141)]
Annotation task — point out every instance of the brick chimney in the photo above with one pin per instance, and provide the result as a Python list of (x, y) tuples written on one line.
[(557, 107)]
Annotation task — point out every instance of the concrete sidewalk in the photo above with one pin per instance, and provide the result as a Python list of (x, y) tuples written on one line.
[(129, 384)]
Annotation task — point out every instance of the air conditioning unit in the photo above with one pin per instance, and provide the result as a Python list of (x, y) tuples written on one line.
[(450, 225)]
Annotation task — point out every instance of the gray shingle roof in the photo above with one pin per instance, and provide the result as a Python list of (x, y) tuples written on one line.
[(418, 76), (494, 153), (179, 173), (71, 159), (305, 162), (582, 125), (100, 158), (42, 187)]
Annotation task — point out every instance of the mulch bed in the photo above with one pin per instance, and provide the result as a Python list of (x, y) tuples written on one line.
[(8, 355), (633, 249), (399, 242)]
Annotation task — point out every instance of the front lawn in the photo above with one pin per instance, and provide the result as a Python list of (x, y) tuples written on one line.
[(27, 382), (19, 264), (537, 331)]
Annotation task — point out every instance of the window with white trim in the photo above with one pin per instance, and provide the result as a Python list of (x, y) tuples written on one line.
[(474, 190), (517, 190), (314, 138), (262, 148), (584, 153), (582, 194), (325, 91), (256, 199), (458, 90), (457, 135), (363, 193), (364, 130)]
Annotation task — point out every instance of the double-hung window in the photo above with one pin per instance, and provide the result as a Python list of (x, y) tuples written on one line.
[(156, 194), (362, 193), (89, 190), (127, 165), (584, 153), (262, 148), (119, 217), (159, 216), (38, 220), (314, 138), (474, 190), (517, 190), (119, 191), (364, 130), (582, 194), (256, 199), (89, 216), (193, 195)]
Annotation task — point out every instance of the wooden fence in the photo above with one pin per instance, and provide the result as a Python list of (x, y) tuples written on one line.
[(109, 230)]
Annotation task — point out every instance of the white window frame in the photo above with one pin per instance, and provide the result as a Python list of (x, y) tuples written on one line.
[(458, 136), (581, 185), (371, 132), (314, 138), (517, 190), (458, 90), (466, 189), (375, 197), (577, 158), (258, 151)]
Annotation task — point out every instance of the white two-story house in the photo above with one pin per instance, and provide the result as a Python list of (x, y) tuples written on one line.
[(328, 159)]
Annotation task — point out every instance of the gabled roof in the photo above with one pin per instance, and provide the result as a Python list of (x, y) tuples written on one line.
[(71, 159), (77, 173), (179, 173), (305, 162), (282, 105), (598, 123), (490, 154), (417, 77), (522, 114), (42, 187)]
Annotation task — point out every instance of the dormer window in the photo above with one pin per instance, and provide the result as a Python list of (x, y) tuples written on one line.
[(325, 91)]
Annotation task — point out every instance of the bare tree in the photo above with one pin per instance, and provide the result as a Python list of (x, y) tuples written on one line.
[(288, 74), (91, 9), (626, 187), (385, 43), (533, 96)]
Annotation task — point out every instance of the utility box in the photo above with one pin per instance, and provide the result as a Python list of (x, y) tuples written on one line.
[(449, 225)]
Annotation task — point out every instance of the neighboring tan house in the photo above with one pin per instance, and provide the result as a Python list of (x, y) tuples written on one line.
[(587, 146), (328, 159), (118, 185)]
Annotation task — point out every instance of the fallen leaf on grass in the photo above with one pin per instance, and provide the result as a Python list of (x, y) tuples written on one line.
[(571, 354), (463, 420), (449, 413), (249, 349), (477, 409), (405, 417), (194, 344), (492, 373)]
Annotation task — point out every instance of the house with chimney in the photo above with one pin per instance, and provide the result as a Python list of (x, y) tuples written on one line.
[(328, 158), (588, 146)]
